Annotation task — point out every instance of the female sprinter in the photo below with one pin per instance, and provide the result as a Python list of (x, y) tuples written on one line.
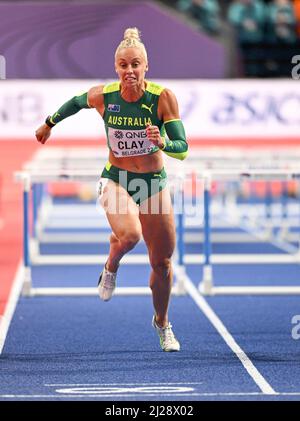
[(133, 189)]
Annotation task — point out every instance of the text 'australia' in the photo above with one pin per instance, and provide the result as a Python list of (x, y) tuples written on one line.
[(129, 121)]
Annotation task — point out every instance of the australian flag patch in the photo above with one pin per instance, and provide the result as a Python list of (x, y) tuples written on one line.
[(115, 108)]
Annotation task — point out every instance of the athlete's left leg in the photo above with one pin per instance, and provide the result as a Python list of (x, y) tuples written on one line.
[(158, 229)]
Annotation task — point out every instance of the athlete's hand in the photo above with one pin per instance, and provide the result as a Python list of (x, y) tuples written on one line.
[(43, 133), (153, 135)]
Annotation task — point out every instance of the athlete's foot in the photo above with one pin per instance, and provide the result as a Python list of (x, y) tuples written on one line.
[(168, 341), (106, 284)]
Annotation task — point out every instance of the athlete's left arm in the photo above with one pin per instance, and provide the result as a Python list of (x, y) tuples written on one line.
[(176, 145)]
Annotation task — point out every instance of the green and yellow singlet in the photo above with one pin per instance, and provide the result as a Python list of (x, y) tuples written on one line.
[(125, 122)]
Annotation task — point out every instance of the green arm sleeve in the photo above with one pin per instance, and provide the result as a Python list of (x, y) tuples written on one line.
[(70, 107), (176, 146)]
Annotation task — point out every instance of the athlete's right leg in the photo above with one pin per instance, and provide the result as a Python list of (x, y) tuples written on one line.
[(123, 216)]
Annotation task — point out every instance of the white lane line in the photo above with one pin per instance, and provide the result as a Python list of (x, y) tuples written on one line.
[(11, 304), (261, 382), (131, 395)]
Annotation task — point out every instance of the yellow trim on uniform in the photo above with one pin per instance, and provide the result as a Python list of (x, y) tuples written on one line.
[(174, 119), (111, 87), (87, 100), (154, 88), (108, 166)]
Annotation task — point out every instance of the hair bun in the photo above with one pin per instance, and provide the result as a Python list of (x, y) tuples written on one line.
[(132, 33)]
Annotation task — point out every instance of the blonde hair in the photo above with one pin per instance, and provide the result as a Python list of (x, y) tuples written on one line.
[(132, 39)]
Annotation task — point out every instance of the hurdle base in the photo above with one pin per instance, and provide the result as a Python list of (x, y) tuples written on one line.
[(179, 288), (34, 248), (27, 283), (256, 290), (206, 286)]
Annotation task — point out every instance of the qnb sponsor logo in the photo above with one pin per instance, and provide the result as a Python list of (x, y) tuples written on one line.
[(136, 135), (119, 134), (296, 69), (256, 108), (2, 68), (141, 134), (296, 329)]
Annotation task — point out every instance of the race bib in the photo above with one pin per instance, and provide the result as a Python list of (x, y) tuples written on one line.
[(124, 143)]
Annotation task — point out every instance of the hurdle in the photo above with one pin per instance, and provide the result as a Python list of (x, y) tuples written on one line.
[(57, 159), (71, 165), (29, 180), (206, 286)]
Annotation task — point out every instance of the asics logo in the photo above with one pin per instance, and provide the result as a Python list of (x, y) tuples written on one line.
[(148, 108)]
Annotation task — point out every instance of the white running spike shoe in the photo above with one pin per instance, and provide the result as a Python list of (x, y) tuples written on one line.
[(168, 341), (106, 284)]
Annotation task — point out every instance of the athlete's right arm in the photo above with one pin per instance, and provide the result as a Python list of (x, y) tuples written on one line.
[(91, 99)]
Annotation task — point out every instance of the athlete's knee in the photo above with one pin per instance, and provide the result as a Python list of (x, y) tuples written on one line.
[(129, 239), (161, 266)]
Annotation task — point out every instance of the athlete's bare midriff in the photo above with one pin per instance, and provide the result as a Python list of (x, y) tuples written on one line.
[(141, 164)]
